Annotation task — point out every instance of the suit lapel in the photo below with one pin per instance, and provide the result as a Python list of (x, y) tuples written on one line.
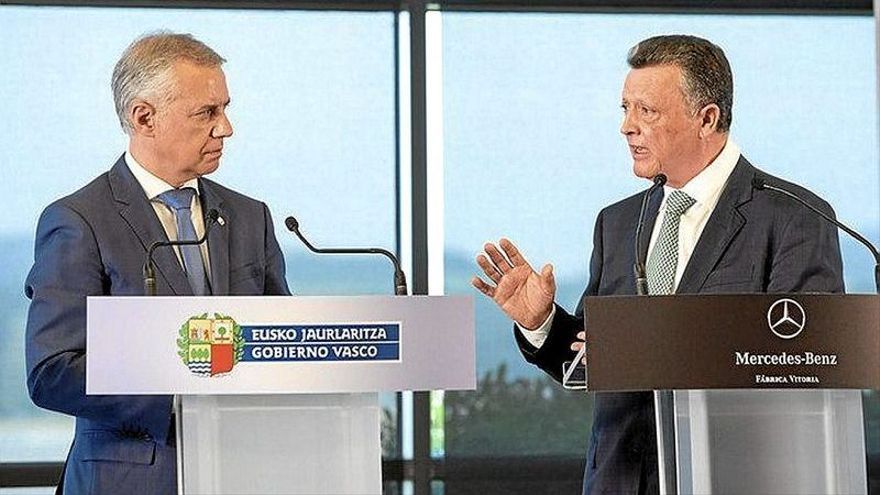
[(723, 225), (218, 239), (138, 213)]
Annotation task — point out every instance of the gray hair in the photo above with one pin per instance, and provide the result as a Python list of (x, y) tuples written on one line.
[(145, 69), (705, 71)]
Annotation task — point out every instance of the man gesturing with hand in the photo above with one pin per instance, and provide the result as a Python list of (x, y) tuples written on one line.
[(523, 294), (708, 231)]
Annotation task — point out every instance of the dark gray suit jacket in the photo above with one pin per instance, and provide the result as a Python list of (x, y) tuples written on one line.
[(754, 241), (93, 243)]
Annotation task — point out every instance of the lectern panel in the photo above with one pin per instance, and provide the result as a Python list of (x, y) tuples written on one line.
[(736, 341), (770, 441), (281, 444)]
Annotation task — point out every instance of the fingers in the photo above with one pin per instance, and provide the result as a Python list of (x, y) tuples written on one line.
[(513, 254), (483, 286), (548, 281), (489, 269), (579, 344), (497, 258)]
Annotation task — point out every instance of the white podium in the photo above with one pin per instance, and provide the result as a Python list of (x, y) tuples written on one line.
[(279, 394)]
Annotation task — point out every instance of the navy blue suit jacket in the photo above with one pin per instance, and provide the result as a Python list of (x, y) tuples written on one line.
[(754, 241), (93, 243)]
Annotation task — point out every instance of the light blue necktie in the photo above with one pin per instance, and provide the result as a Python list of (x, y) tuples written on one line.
[(180, 200)]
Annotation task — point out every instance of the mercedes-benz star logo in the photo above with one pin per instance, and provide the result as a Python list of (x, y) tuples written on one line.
[(786, 318)]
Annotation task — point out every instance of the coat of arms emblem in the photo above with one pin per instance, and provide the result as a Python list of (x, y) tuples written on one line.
[(210, 346)]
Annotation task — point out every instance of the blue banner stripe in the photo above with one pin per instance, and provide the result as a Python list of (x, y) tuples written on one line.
[(320, 343), (322, 352), (344, 333)]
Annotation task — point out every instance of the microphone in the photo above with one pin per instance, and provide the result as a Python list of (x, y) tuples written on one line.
[(573, 373), (399, 276), (760, 184), (149, 273), (639, 266)]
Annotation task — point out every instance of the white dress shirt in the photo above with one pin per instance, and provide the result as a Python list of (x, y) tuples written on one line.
[(706, 189), (153, 187)]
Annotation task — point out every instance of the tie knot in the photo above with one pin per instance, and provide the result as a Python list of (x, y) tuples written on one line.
[(678, 202), (177, 199)]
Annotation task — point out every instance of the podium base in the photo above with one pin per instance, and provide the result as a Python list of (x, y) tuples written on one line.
[(280, 444), (770, 441)]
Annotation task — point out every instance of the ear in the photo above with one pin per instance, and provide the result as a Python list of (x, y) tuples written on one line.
[(143, 118), (709, 116)]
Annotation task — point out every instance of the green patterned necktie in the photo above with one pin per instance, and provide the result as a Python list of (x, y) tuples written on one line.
[(663, 260)]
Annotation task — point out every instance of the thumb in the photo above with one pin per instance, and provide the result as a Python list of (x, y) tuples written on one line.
[(548, 281)]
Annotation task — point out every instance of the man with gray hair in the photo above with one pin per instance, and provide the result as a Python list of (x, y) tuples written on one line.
[(171, 99), (708, 231)]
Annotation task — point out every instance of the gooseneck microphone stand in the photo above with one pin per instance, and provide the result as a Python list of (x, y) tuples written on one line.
[(399, 277), (149, 271), (760, 183)]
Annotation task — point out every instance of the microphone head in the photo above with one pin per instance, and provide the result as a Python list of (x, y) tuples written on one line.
[(292, 224), (212, 215), (758, 183), (660, 180)]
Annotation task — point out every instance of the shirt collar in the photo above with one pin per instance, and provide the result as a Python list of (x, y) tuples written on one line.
[(709, 182), (152, 185)]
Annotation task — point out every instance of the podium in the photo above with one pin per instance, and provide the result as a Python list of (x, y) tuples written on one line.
[(753, 393), (278, 394)]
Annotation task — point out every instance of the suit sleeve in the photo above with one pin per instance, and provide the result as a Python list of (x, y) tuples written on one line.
[(276, 281), (806, 256), (563, 331), (67, 268)]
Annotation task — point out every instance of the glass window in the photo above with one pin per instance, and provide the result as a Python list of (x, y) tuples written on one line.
[(532, 151), (314, 117)]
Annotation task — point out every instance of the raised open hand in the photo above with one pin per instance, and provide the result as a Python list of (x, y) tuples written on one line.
[(523, 294)]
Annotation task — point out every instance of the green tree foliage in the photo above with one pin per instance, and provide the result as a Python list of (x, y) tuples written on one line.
[(388, 433), (528, 416)]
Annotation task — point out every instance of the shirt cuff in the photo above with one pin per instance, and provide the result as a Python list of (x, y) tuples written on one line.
[(537, 336)]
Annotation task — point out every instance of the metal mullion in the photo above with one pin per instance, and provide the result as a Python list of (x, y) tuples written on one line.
[(803, 7), (400, 468), (421, 400), (47, 474), (330, 5), (30, 474), (809, 7)]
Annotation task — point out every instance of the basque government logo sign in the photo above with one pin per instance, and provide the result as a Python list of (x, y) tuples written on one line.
[(211, 346)]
